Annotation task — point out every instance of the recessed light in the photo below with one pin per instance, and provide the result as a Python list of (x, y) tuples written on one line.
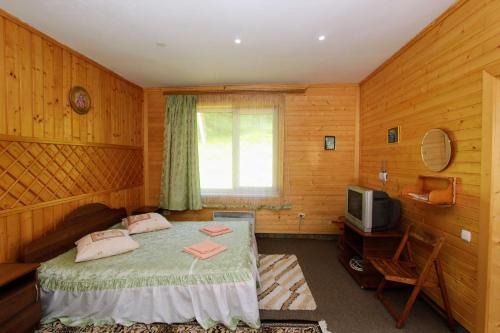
[(237, 41), (160, 44), (321, 38)]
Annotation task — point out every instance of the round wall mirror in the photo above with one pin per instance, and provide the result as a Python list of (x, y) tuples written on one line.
[(436, 149)]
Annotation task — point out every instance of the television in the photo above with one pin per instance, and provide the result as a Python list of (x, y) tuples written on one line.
[(371, 210)]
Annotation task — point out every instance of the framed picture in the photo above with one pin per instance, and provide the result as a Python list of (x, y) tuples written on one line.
[(79, 99), (330, 143), (393, 135)]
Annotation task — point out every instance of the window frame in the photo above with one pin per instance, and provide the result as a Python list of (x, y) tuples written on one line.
[(237, 190)]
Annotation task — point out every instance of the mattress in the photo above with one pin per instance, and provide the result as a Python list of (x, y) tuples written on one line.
[(158, 282)]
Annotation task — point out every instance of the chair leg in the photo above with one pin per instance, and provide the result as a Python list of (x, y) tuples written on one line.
[(380, 288), (385, 303), (444, 294), (409, 304)]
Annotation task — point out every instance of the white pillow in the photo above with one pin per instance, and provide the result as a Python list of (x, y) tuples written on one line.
[(103, 244), (137, 224)]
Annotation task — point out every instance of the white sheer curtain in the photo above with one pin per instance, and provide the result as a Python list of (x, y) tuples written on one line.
[(240, 144)]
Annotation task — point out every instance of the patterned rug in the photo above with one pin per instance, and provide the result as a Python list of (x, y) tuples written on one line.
[(283, 286), (192, 327)]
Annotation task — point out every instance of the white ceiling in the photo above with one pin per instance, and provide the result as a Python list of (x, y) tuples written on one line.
[(279, 37)]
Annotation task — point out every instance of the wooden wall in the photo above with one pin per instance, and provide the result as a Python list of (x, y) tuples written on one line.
[(51, 159), (436, 82), (314, 179)]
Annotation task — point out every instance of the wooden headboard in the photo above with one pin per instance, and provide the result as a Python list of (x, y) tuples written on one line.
[(80, 222)]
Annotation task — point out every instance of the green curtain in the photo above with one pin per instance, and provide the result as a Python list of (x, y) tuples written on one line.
[(180, 181)]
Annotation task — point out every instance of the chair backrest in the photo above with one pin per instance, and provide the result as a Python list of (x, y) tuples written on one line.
[(425, 235), (422, 235)]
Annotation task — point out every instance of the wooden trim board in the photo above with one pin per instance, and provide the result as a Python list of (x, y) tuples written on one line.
[(286, 88), (228, 91), (488, 271), (14, 138), (357, 136), (145, 141)]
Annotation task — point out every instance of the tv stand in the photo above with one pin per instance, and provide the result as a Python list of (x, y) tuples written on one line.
[(355, 242)]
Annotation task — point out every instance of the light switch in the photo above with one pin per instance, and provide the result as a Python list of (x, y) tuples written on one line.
[(466, 235), (383, 176)]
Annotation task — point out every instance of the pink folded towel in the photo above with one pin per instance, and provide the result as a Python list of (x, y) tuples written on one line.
[(205, 255), (214, 228), (205, 247), (213, 234)]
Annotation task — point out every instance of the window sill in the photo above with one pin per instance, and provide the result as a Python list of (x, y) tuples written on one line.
[(276, 207), (270, 195)]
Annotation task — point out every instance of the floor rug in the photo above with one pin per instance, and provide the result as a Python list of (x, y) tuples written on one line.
[(192, 327), (283, 286)]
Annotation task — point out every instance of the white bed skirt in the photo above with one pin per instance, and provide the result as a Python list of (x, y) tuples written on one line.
[(208, 304)]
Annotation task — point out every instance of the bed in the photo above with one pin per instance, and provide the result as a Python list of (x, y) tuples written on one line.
[(158, 282)]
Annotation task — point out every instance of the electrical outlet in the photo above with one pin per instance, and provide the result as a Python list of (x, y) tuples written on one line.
[(466, 235), (301, 215)]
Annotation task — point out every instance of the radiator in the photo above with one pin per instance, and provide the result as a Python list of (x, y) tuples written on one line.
[(235, 216), (239, 216)]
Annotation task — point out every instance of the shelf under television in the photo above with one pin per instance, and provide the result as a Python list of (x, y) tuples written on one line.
[(357, 276), (358, 248), (355, 242)]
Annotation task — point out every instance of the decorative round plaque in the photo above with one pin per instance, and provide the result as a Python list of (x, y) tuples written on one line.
[(79, 99)]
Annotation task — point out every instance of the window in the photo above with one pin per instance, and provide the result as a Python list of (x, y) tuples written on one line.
[(238, 151)]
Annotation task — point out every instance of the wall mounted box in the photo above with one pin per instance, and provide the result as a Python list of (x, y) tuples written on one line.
[(437, 191)]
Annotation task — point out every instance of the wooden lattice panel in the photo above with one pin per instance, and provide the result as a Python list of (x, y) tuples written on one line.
[(32, 172)]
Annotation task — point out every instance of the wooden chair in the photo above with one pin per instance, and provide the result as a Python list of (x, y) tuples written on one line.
[(405, 271)]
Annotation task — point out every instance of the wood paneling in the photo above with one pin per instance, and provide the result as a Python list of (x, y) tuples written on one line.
[(34, 173), (436, 82), (52, 159), (154, 102), (18, 229), (314, 179), (36, 74)]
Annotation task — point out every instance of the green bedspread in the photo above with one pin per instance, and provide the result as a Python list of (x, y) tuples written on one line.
[(159, 261)]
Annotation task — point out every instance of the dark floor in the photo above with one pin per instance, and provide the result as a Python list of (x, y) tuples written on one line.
[(341, 302)]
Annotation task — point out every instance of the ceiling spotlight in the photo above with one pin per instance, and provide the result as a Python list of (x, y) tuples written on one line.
[(321, 38), (237, 41)]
